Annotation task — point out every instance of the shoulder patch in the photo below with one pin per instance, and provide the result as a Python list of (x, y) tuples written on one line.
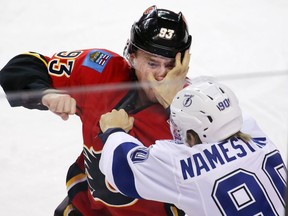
[(97, 60), (139, 155)]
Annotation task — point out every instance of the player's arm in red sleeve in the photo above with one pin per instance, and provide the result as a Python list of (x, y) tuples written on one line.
[(25, 72)]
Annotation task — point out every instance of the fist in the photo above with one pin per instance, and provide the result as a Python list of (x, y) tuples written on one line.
[(60, 104), (116, 119)]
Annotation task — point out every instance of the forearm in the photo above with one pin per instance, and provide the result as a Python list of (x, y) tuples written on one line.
[(114, 163), (165, 91), (131, 168)]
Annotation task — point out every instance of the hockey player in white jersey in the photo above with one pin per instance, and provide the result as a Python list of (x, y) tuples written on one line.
[(219, 163)]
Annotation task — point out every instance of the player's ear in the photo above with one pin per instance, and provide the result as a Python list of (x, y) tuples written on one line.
[(192, 138), (132, 57), (133, 63)]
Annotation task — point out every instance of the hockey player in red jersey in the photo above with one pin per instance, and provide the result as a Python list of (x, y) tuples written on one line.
[(157, 52)]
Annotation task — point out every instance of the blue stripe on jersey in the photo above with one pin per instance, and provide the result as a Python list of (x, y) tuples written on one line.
[(97, 60), (122, 173), (260, 141)]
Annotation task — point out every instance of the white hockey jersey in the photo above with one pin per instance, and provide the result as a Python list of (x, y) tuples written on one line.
[(226, 178)]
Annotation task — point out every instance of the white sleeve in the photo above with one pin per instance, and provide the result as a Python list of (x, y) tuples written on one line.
[(137, 171), (114, 155)]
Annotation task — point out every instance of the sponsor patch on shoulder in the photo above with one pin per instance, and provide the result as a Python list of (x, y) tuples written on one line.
[(97, 60), (139, 155)]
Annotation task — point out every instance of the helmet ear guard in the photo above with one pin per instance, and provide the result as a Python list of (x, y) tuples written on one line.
[(159, 32), (208, 108)]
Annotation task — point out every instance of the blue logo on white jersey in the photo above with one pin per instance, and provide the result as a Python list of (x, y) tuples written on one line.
[(140, 155)]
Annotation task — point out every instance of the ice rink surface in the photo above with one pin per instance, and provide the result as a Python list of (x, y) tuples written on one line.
[(242, 43)]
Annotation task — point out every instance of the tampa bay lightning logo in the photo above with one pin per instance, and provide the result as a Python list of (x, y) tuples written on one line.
[(140, 155), (187, 100)]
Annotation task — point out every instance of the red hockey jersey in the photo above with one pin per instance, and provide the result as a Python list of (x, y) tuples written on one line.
[(90, 71)]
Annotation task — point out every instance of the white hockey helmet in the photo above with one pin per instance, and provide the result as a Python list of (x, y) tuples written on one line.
[(209, 108)]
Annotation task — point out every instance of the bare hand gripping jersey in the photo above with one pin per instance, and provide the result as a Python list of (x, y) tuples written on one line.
[(86, 185), (226, 178)]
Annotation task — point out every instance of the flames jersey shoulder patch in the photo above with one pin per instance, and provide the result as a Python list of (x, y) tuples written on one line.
[(97, 60)]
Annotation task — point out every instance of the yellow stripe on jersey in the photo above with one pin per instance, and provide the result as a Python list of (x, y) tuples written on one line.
[(174, 210), (75, 180), (37, 56), (68, 209)]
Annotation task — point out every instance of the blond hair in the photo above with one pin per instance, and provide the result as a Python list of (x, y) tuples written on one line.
[(243, 136)]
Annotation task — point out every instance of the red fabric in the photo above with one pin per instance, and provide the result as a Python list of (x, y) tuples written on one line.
[(150, 124)]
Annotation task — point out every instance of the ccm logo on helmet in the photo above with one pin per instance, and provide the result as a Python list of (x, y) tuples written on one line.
[(224, 104)]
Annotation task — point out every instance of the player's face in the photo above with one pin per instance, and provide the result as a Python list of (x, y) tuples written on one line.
[(147, 63)]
